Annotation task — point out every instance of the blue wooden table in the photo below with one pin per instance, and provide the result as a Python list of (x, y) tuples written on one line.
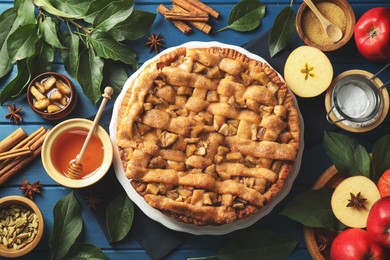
[(313, 164)]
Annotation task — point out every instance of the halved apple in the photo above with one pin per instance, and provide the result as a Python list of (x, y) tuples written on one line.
[(352, 200), (308, 71)]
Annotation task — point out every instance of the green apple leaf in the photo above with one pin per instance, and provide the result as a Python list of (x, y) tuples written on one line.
[(282, 31), (119, 218), (312, 209), (49, 30), (85, 251), (380, 157), (108, 48), (95, 7), (48, 7), (90, 74), (70, 54), (246, 16), (134, 27), (25, 10), (21, 43), (115, 76), (67, 225), (349, 157), (114, 13), (73, 7), (7, 21)]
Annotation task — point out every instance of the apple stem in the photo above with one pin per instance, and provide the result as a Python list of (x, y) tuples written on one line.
[(373, 33)]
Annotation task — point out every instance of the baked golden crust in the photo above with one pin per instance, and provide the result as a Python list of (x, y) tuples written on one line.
[(208, 135)]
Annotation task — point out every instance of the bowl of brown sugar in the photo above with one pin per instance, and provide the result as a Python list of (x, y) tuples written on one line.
[(309, 28)]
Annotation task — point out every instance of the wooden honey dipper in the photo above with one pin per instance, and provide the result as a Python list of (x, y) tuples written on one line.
[(75, 166)]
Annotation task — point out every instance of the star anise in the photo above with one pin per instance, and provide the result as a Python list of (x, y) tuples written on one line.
[(30, 189), (357, 201), (14, 114), (154, 42), (92, 200)]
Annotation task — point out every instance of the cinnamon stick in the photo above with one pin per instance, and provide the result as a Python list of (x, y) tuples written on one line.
[(17, 164), (15, 153), (201, 26), (182, 26), (187, 5), (25, 143), (187, 16), (212, 12), (14, 138)]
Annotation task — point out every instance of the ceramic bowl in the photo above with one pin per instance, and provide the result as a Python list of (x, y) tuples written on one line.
[(29, 205), (66, 126), (65, 109), (350, 25)]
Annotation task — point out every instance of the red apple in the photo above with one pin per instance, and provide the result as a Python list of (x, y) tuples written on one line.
[(378, 222), (355, 244), (384, 184)]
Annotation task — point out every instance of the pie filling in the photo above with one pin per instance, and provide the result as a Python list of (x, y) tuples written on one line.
[(208, 136)]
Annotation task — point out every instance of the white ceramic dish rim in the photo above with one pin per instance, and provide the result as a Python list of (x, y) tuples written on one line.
[(58, 130), (172, 223)]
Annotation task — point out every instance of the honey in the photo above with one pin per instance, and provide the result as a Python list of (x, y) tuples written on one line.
[(67, 147)]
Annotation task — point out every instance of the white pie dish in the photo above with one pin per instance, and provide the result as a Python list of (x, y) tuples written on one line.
[(172, 223)]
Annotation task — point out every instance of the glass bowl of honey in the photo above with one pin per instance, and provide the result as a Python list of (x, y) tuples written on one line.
[(63, 144)]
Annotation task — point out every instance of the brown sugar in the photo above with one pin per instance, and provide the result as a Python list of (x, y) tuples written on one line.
[(312, 27)]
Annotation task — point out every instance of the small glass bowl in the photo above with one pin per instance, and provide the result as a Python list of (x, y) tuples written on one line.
[(57, 131), (30, 205), (66, 110)]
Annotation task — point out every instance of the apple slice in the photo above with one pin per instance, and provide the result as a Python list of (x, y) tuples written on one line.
[(352, 200), (308, 71)]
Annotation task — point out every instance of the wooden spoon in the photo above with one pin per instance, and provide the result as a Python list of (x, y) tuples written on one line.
[(333, 31), (75, 166)]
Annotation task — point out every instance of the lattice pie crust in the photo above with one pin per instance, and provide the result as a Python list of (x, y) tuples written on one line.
[(207, 135)]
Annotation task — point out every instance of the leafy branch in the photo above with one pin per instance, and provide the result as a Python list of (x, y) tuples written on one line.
[(94, 40)]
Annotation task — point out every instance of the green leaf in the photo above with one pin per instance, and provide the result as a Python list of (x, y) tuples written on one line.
[(19, 82), (108, 48), (21, 43), (246, 16), (380, 157), (112, 14), (349, 157), (258, 244), (282, 31), (48, 7), (119, 217), (49, 30), (7, 21), (90, 74), (95, 7), (134, 27), (72, 7), (115, 76), (67, 225), (312, 209), (85, 251), (70, 54), (25, 10)]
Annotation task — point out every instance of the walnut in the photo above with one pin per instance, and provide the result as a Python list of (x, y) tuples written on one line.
[(228, 130)]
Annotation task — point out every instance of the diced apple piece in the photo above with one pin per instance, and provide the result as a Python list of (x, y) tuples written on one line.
[(53, 108), (40, 87), (352, 200), (42, 104), (49, 83), (62, 87), (55, 95), (36, 93), (308, 71)]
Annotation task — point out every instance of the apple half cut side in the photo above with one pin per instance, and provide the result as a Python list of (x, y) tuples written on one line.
[(308, 71), (352, 200)]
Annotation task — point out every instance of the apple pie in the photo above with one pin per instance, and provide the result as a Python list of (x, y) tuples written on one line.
[(207, 136)]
